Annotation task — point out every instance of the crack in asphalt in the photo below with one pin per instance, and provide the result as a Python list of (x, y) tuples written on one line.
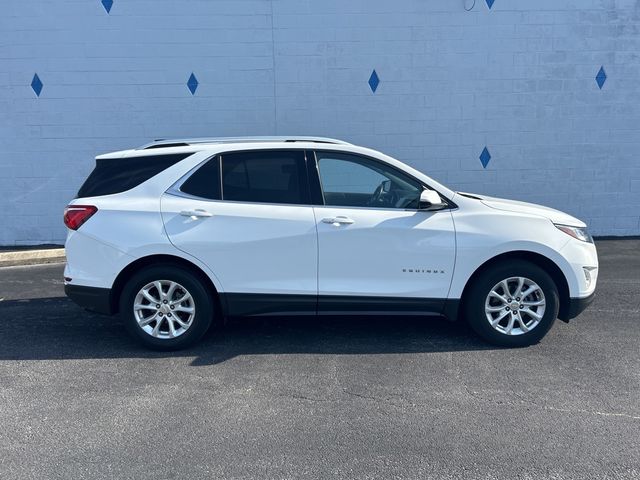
[(404, 402), (592, 412)]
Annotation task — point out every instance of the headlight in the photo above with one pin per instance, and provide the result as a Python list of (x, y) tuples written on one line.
[(576, 232)]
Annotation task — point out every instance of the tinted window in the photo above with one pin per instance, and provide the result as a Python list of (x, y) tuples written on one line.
[(204, 182), (117, 175), (354, 181), (265, 176)]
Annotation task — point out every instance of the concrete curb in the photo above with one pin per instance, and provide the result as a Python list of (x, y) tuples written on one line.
[(32, 257)]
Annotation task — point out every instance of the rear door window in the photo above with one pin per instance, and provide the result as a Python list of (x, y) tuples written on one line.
[(267, 176), (205, 181)]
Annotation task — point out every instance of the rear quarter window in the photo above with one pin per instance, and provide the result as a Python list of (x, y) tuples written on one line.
[(116, 175)]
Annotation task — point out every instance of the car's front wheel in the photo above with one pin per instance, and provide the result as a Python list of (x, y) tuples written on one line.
[(512, 305), (166, 307)]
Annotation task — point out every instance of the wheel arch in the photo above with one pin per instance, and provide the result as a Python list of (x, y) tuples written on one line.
[(165, 259), (548, 265)]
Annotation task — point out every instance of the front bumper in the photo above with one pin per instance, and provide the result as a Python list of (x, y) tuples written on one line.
[(92, 298), (575, 307)]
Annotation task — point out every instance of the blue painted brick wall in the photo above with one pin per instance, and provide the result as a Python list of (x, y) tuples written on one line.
[(518, 78)]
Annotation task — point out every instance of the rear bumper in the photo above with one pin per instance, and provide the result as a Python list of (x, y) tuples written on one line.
[(576, 306), (92, 298)]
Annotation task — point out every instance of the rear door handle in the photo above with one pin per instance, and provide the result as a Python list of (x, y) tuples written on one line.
[(198, 212), (339, 220)]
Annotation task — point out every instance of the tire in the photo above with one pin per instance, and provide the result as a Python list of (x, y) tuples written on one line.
[(489, 310), (181, 316)]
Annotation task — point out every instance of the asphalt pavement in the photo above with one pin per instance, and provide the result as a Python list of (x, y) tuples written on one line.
[(319, 398)]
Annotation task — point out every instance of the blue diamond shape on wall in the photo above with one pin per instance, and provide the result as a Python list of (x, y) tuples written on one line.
[(490, 3), (36, 84), (374, 81), (192, 83), (601, 77), (485, 156), (107, 4)]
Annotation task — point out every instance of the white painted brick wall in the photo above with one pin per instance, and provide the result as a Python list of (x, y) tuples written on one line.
[(519, 78)]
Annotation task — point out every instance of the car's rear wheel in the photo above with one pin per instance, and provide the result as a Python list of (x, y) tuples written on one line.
[(166, 307), (512, 305)]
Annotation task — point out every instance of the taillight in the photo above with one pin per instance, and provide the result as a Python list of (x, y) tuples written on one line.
[(76, 215)]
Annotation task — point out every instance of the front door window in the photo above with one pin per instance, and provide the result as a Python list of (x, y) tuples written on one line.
[(353, 181)]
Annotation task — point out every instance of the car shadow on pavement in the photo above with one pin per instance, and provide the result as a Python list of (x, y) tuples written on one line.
[(55, 328)]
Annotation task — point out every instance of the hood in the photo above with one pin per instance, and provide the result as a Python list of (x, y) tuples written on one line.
[(556, 216)]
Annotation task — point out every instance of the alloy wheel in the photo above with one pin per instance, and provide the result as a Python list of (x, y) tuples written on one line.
[(164, 309), (515, 306)]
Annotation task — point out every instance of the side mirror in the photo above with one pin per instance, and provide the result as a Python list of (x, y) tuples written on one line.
[(430, 200)]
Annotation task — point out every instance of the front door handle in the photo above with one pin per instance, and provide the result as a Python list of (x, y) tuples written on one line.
[(339, 220), (198, 212)]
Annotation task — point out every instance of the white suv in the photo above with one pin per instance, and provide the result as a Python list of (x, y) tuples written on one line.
[(178, 234)]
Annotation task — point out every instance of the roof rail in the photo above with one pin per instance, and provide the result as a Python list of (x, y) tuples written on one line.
[(184, 142)]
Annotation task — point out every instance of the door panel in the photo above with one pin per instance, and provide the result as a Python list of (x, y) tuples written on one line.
[(396, 253), (255, 229), (251, 248), (373, 240)]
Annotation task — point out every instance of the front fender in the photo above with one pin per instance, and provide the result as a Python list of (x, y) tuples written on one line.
[(482, 236)]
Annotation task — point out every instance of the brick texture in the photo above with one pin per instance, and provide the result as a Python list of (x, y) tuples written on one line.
[(518, 78)]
